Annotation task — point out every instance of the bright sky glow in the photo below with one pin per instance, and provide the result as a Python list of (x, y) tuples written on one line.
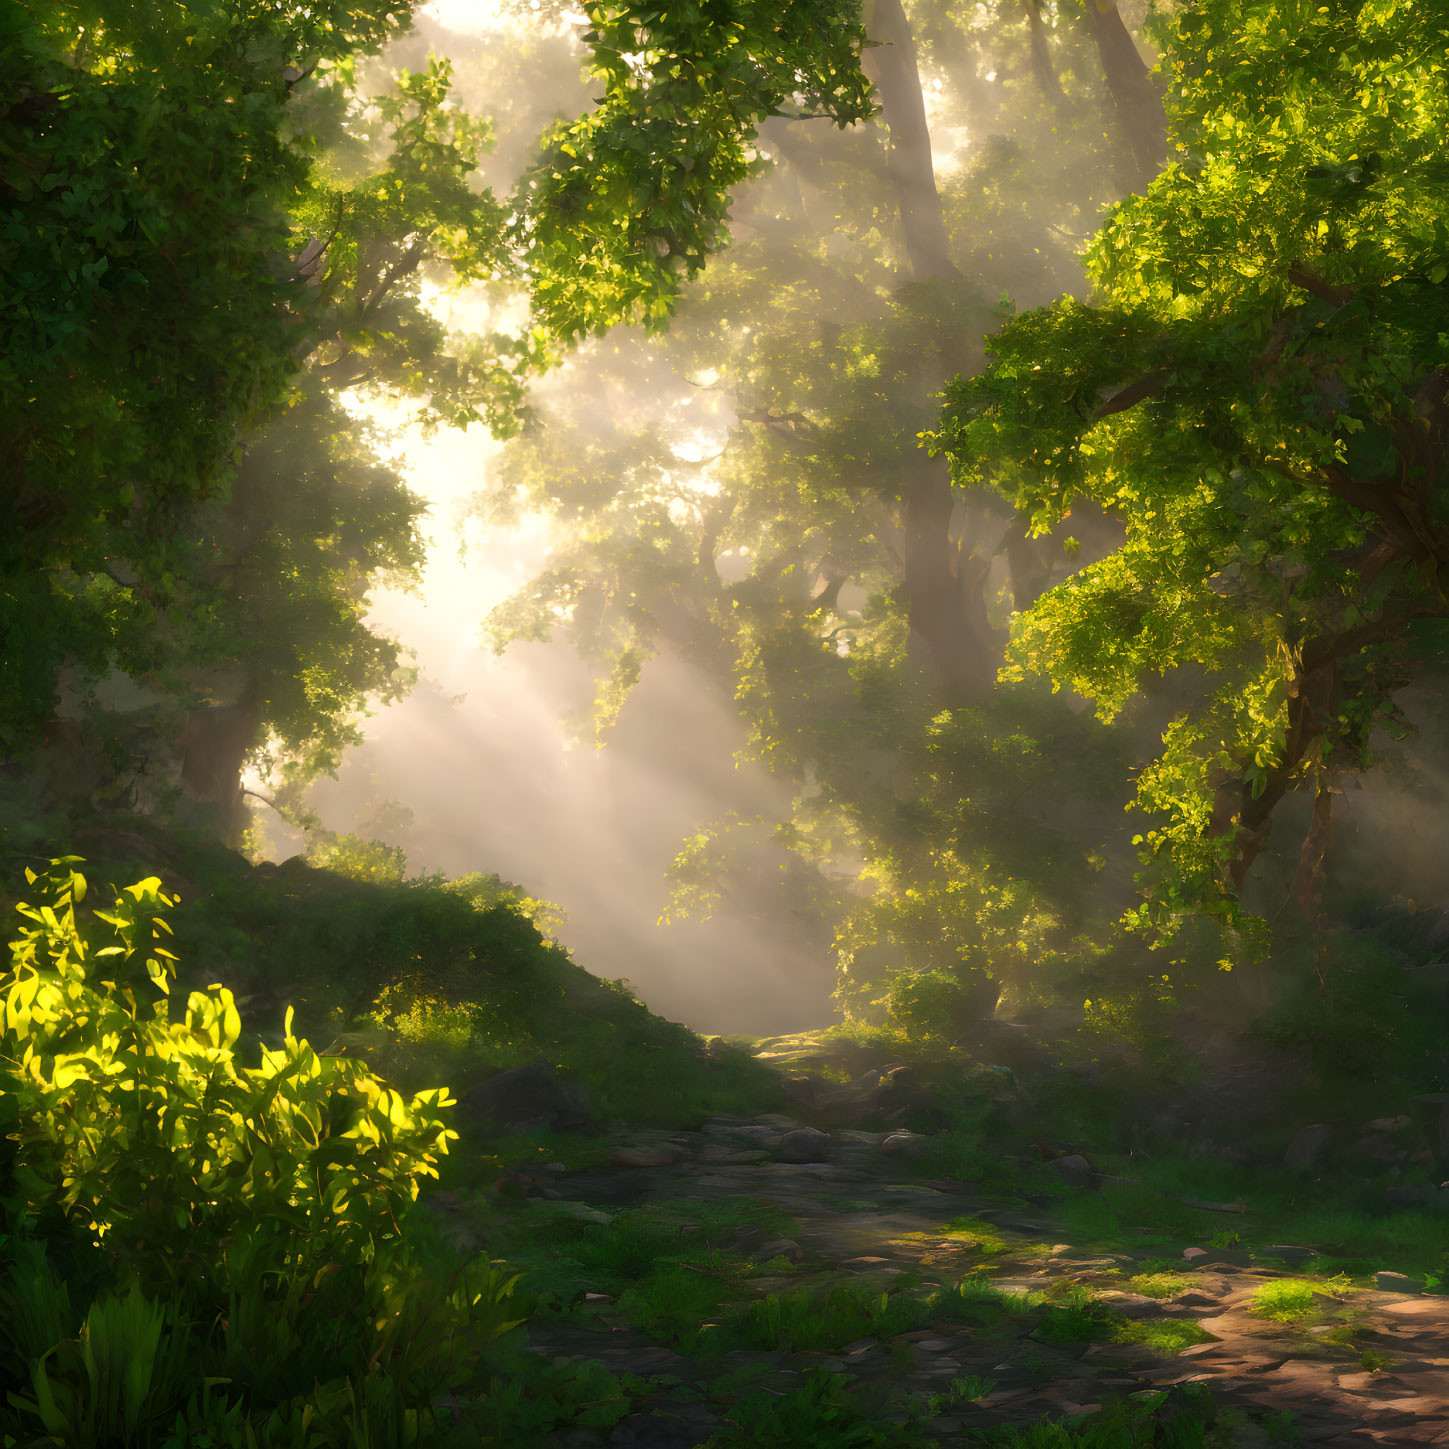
[(473, 17), (479, 17)]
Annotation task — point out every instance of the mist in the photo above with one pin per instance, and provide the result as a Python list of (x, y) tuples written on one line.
[(501, 762), (486, 754)]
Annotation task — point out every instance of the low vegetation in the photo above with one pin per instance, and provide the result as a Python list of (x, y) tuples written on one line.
[(139, 1108)]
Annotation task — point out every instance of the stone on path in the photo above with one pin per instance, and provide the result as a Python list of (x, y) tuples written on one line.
[(659, 1154), (805, 1144), (786, 1248), (904, 1143), (1398, 1283), (1073, 1169)]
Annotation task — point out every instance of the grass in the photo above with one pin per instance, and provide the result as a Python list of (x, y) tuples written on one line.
[(1183, 1417), (988, 1240), (821, 1413), (663, 1269), (1357, 1239), (1163, 1335), (1294, 1300), (1077, 1318), (1123, 1215), (675, 1302), (819, 1321), (1162, 1285)]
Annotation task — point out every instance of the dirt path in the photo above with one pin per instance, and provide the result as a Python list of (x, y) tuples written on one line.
[(862, 1217)]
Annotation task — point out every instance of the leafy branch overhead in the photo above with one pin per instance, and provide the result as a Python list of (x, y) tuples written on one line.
[(216, 225), (629, 200), (1258, 391)]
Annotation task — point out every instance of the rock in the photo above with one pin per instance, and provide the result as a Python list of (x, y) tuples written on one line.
[(777, 1121), (802, 1089), (1307, 1145), (659, 1154), (581, 1212), (1388, 1124), (533, 1093), (903, 1143), (899, 1081), (805, 1144), (681, 1426), (1211, 1207), (1398, 1283), (1014, 1224), (1385, 1142), (852, 1138), (756, 1134), (1220, 1258), (1073, 1169), (1106, 1179), (786, 1248), (620, 1186), (1196, 1255)]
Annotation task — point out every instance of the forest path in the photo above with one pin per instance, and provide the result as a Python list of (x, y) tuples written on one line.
[(863, 1219)]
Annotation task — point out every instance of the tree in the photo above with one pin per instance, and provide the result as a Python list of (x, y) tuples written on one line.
[(139, 330), (212, 234), (631, 198), (760, 528), (1258, 392)]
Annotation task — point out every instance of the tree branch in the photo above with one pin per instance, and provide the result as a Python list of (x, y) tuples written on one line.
[(1339, 296), (1131, 395)]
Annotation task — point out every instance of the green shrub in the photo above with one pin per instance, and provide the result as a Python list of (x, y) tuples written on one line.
[(145, 1131), (1165, 1335), (198, 1248), (812, 1321), (1162, 1285)]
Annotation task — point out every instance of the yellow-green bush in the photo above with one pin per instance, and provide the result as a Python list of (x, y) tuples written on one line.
[(193, 1249), (149, 1129)]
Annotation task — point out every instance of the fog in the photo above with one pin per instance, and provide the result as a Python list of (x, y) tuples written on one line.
[(483, 754), (493, 756), (490, 754)]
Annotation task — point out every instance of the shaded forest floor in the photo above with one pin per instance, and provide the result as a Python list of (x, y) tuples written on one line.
[(860, 1242), (797, 1279)]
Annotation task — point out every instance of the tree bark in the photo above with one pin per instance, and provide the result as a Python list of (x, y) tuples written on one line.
[(1041, 56), (944, 584), (1140, 116), (214, 748), (891, 65)]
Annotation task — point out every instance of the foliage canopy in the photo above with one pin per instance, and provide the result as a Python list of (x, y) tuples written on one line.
[(1257, 390)]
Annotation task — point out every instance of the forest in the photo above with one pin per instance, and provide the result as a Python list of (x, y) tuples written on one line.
[(724, 724)]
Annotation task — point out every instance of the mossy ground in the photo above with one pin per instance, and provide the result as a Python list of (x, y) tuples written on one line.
[(429, 986)]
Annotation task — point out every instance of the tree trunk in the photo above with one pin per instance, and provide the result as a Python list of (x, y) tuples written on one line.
[(1140, 116), (1041, 56), (1314, 701), (214, 749), (944, 585), (891, 65)]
